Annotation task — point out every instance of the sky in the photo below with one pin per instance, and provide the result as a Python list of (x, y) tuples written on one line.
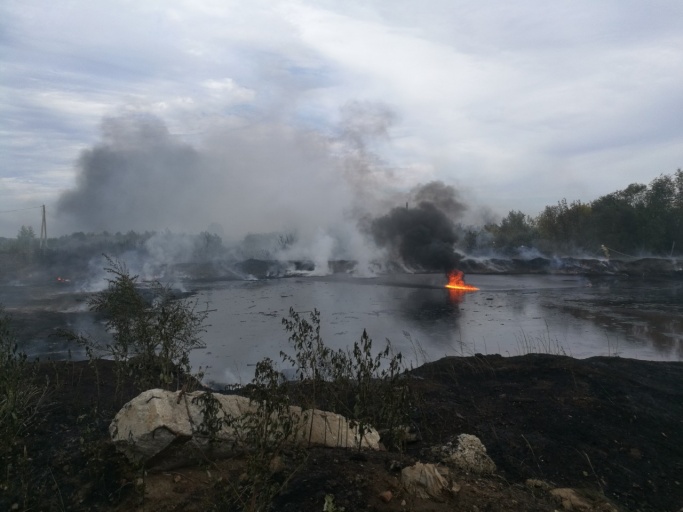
[(261, 115)]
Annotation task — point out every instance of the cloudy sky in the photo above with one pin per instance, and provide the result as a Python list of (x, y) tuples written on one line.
[(516, 104)]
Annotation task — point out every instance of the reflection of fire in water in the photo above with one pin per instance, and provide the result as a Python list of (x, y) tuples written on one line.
[(456, 282)]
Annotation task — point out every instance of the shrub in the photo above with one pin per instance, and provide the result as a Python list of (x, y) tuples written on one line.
[(268, 434), (21, 402), (370, 390), (152, 331)]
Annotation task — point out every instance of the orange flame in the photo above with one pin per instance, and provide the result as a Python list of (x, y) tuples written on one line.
[(456, 282)]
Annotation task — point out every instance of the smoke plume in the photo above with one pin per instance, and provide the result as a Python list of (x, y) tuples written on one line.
[(421, 237), (132, 179), (444, 197), (250, 179), (327, 196)]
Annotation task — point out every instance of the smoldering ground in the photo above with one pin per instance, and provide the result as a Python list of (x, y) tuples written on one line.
[(322, 191)]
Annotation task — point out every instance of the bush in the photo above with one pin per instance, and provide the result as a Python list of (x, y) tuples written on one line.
[(153, 332), (21, 402), (370, 390)]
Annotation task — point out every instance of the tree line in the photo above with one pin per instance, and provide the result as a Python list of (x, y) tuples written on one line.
[(640, 219)]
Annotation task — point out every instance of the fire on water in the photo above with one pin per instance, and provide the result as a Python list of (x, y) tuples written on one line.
[(456, 282)]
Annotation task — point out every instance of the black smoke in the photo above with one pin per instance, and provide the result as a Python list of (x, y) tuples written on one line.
[(133, 178), (421, 237), (442, 196)]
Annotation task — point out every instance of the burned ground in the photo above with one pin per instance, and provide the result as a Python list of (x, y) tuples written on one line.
[(608, 424), (610, 427)]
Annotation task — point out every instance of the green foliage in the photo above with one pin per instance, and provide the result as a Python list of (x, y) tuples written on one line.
[(213, 416), (369, 389), (22, 248), (153, 332), (22, 401), (329, 505), (515, 231), (26, 234), (638, 219), (268, 432), (565, 227), (642, 218)]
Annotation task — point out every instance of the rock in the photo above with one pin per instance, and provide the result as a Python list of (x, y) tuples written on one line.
[(163, 429), (277, 465), (329, 505), (386, 496), (333, 430), (161, 426), (534, 483), (408, 434), (425, 481), (469, 455), (394, 466), (570, 499)]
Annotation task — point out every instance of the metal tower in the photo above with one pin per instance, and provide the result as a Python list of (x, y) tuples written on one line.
[(43, 231)]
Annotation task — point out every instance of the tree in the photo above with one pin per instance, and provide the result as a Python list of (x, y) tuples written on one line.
[(25, 242), (153, 332), (642, 218), (616, 218), (515, 230), (566, 227), (208, 246), (659, 219)]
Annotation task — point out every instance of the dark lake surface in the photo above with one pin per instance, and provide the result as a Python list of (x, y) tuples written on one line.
[(509, 315)]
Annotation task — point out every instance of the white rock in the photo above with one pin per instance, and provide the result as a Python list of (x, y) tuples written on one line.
[(470, 456), (424, 481), (333, 430), (570, 499), (163, 429)]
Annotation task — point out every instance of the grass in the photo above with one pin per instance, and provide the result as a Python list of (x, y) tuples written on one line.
[(540, 344)]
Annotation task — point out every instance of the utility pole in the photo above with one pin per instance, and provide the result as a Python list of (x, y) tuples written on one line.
[(43, 231)]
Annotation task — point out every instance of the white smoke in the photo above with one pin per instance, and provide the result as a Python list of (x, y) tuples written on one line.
[(316, 190)]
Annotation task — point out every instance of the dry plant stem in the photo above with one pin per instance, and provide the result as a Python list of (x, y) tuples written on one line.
[(533, 454), (597, 479)]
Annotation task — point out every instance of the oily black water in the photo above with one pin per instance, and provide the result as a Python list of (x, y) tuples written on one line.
[(509, 315)]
